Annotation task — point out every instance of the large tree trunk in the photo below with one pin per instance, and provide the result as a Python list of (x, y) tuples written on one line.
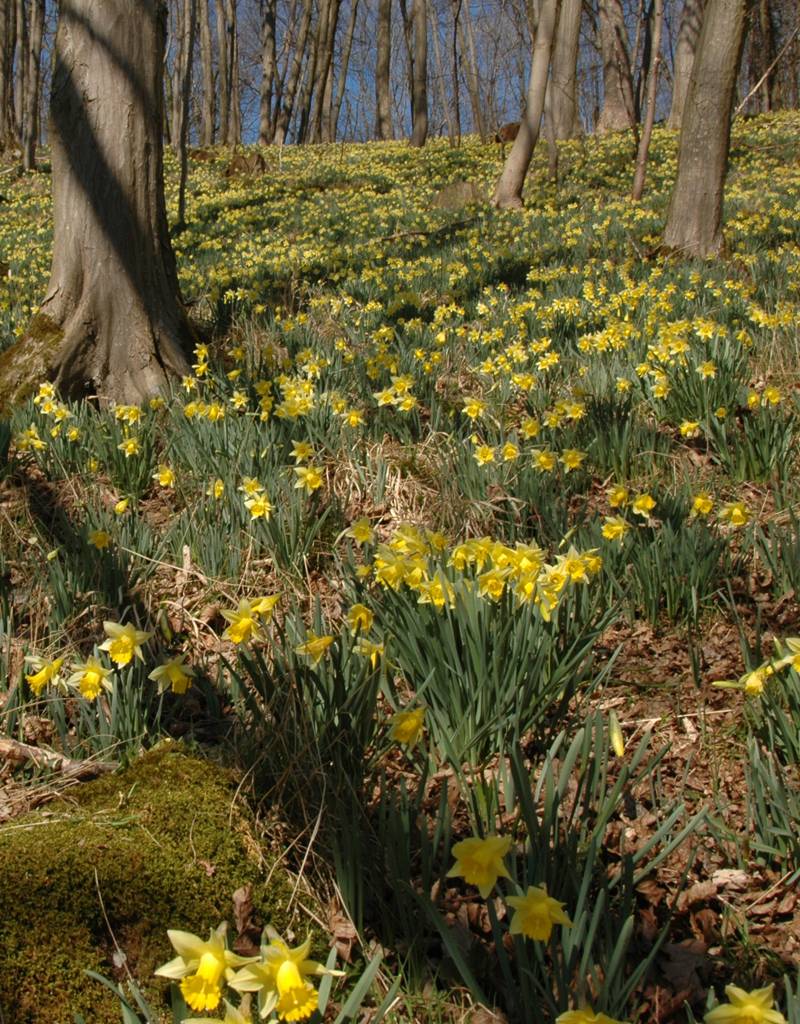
[(563, 85), (30, 121), (269, 60), (383, 94), (508, 192), (112, 309), (618, 104), (419, 92), (688, 32), (7, 40), (694, 218), (287, 106), (208, 107), (650, 101)]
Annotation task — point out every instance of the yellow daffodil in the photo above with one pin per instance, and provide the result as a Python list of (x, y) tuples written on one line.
[(643, 505), (585, 1016), (361, 531), (309, 478), (360, 619), (280, 977), (259, 506), (735, 513), (480, 861), (164, 476), (535, 913), (201, 967), (173, 675), (702, 504), (45, 672), (244, 623), (314, 647), (124, 642), (614, 528), (406, 726), (756, 1007), (90, 678), (99, 539)]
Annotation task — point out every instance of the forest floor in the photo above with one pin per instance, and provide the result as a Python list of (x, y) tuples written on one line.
[(453, 529)]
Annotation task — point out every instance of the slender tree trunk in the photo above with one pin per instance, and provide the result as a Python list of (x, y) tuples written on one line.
[(342, 83), (20, 65), (223, 73), (176, 78), (383, 93), (234, 137), (112, 314), (767, 40), (287, 107), (269, 62), (650, 101), (30, 124), (419, 95), (440, 78), (471, 72), (688, 32), (189, 25), (694, 218), (456, 85), (307, 88), (7, 40), (563, 85), (618, 105), (508, 192), (208, 107), (327, 42)]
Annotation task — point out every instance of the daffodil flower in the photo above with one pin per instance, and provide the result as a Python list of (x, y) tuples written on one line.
[(90, 677), (201, 966), (124, 642), (754, 1007), (174, 675), (45, 672), (406, 726), (585, 1016), (480, 861), (280, 979), (535, 913)]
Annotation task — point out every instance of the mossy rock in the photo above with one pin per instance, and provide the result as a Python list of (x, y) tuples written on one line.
[(164, 843), (28, 362)]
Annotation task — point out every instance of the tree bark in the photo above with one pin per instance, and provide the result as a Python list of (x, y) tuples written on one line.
[(440, 78), (694, 218), (30, 121), (234, 136), (20, 64), (419, 92), (563, 85), (471, 72), (208, 105), (223, 72), (688, 33), (383, 94), (269, 60), (327, 40), (187, 46), (650, 101), (618, 105), (112, 309), (508, 192), (7, 40)]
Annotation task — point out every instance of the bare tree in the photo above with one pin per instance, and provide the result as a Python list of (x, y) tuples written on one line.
[(187, 63), (650, 100), (466, 34), (269, 62), (343, 71), (112, 318), (694, 218), (419, 89), (688, 32), (508, 191), (562, 103), (287, 105), (618, 103), (32, 76), (20, 62)]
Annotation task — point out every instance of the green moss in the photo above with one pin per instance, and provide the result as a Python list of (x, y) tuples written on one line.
[(28, 361), (164, 843)]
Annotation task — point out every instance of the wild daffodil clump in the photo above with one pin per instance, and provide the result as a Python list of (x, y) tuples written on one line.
[(426, 470)]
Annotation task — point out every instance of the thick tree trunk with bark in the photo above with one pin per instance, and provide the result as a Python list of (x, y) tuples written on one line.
[(112, 310), (618, 104), (419, 91), (508, 192), (650, 101), (30, 120), (7, 40), (208, 106), (383, 94), (694, 218), (688, 33), (563, 86)]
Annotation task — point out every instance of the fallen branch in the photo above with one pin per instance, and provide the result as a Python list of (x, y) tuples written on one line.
[(15, 750)]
